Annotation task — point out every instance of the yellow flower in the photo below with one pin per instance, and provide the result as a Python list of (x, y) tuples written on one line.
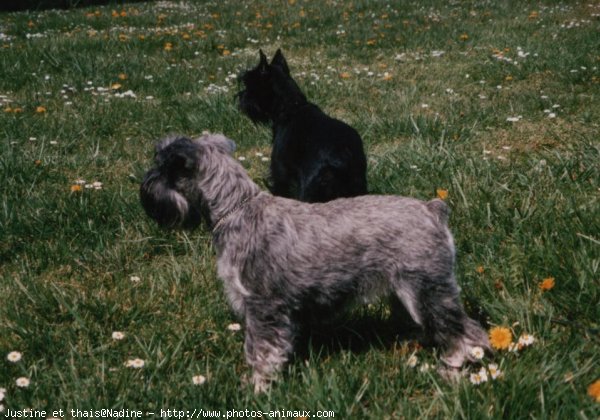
[(441, 193), (40, 109), (371, 42), (480, 269), (345, 75), (75, 188), (122, 76), (594, 390), (500, 338), (547, 284), (463, 37), (115, 86), (226, 52), (168, 46)]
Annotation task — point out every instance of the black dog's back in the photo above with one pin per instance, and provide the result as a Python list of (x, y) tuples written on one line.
[(323, 155), (315, 158)]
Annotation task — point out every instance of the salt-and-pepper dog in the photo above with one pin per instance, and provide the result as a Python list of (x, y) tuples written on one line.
[(282, 260), (315, 157)]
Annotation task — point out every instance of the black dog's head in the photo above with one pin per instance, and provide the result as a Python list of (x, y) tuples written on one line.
[(169, 192), (268, 89)]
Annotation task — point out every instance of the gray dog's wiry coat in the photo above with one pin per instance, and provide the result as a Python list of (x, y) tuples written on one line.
[(281, 260)]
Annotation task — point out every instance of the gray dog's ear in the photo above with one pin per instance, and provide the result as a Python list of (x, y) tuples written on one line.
[(176, 154), (279, 61), (220, 141)]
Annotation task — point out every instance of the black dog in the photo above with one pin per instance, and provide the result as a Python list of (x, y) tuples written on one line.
[(315, 158)]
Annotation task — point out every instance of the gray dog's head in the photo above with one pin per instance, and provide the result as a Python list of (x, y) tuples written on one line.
[(170, 193)]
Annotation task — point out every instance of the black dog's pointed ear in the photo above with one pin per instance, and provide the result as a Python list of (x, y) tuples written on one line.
[(263, 60), (279, 61)]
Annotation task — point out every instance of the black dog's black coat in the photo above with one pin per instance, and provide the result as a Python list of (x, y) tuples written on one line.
[(315, 158)]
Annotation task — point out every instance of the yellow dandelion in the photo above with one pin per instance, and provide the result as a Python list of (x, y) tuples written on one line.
[(508, 78), (345, 75), (500, 338), (480, 269), (115, 86), (18, 110), (122, 76), (226, 52), (115, 14), (168, 46), (123, 13), (547, 284), (387, 76), (441, 193), (463, 37), (40, 109), (533, 15), (371, 42), (8, 109), (594, 391), (75, 188)]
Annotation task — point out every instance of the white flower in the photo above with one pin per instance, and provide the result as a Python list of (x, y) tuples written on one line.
[(1, 408), (479, 377), (135, 363), (258, 154), (477, 352), (118, 335), (14, 356), (241, 158), (234, 327), (412, 361), (134, 279), (2, 393), (97, 185), (425, 367), (526, 340), (265, 159), (198, 379), (514, 119), (494, 371), (22, 382), (513, 347), (551, 115)]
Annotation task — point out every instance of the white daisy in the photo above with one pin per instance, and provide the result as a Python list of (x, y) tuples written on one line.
[(234, 327), (118, 335), (241, 158), (526, 340), (14, 356), (22, 382), (494, 371), (198, 379), (477, 352), (134, 279), (135, 363), (412, 361), (479, 377)]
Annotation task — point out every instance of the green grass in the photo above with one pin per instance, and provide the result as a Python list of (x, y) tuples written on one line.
[(525, 198)]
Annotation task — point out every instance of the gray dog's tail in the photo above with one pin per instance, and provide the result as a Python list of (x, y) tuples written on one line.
[(439, 209)]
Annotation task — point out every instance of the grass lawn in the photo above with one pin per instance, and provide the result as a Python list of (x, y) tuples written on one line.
[(493, 105)]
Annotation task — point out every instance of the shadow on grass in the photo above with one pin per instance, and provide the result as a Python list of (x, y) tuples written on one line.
[(362, 331)]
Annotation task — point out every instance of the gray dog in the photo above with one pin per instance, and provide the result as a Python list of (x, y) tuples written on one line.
[(282, 260)]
